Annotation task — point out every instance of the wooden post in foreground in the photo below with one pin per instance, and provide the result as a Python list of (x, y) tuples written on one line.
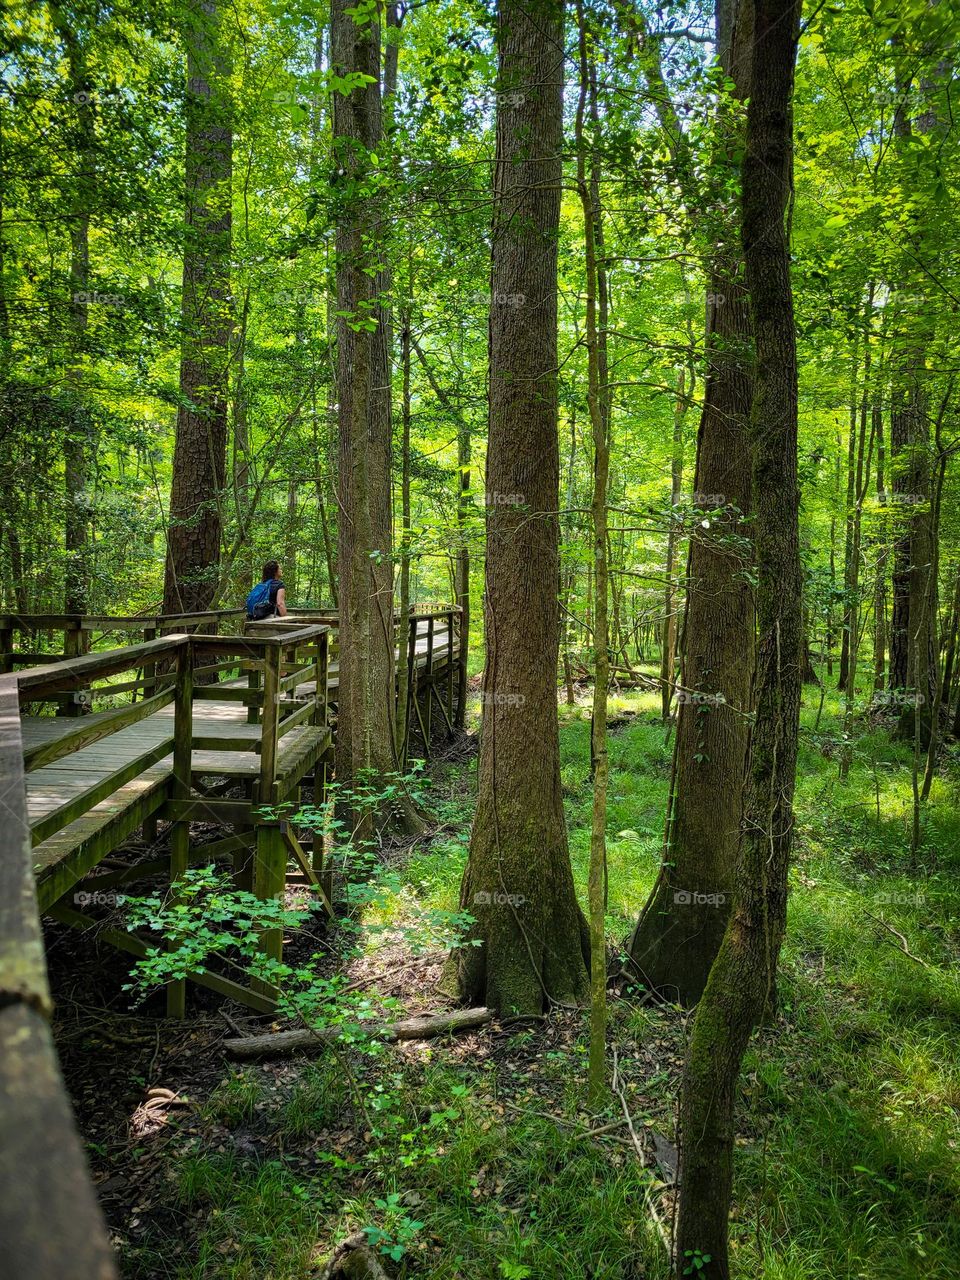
[(320, 768), (428, 672), (50, 1223), (451, 669), (6, 649), (270, 852), (180, 790)]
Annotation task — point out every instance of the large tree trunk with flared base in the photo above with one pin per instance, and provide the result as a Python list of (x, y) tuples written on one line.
[(679, 930), (742, 981), (518, 883)]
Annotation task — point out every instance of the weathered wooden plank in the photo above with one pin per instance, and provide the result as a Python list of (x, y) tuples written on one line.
[(180, 790), (269, 880), (100, 790), (298, 753), (84, 735), (66, 857), (50, 1223), (23, 972), (225, 742), (45, 1187), (269, 725), (233, 812), (305, 711), (306, 866)]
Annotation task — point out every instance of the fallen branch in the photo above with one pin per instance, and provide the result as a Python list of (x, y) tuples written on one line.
[(904, 947), (420, 1028), (642, 1157)]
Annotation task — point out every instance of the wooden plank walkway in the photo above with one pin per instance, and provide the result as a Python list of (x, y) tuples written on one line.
[(52, 787), (75, 787), (88, 801)]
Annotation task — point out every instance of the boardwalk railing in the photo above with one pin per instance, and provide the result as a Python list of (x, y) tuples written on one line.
[(167, 751), (164, 728), (429, 653), (50, 1223)]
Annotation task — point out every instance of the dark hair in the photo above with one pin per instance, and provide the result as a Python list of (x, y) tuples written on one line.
[(271, 569)]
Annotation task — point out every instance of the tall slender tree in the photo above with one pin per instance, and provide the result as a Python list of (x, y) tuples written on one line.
[(76, 443), (200, 449), (518, 881), (741, 985), (679, 930)]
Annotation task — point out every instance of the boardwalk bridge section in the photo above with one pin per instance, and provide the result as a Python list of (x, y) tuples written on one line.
[(198, 718)]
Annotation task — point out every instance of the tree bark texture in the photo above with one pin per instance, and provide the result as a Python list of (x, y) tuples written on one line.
[(677, 936), (365, 724), (742, 981), (200, 447), (518, 882)]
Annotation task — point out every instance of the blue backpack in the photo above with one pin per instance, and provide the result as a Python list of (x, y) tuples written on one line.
[(259, 604)]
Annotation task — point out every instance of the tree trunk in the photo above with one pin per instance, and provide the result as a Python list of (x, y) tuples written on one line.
[(76, 442), (365, 725), (464, 504), (915, 585), (880, 573), (518, 882), (199, 456), (668, 639), (848, 623), (742, 981), (403, 673), (598, 392), (953, 627), (677, 936)]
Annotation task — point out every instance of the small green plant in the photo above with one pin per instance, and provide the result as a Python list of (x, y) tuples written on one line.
[(233, 1101), (697, 1261), (514, 1270), (395, 1237)]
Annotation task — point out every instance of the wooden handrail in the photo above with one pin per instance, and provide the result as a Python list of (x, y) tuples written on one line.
[(50, 1223), (86, 734), (77, 673), (107, 622)]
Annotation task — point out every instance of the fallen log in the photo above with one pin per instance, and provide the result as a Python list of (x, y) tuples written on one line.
[(304, 1041)]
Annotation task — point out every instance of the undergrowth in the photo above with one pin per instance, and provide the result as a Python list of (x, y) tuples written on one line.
[(455, 1164)]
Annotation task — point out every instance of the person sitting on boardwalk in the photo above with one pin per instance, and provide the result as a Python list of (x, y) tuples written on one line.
[(268, 598)]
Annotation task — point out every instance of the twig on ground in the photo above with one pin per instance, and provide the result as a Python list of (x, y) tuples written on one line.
[(642, 1156), (904, 947)]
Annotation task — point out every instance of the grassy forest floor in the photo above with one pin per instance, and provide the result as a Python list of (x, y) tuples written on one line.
[(473, 1158)]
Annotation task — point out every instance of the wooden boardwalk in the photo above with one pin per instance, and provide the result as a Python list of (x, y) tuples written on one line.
[(142, 733), (91, 780)]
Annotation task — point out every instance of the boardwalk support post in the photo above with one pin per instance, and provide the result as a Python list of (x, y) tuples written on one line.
[(6, 649), (411, 624), (321, 669), (428, 709), (73, 648), (180, 788), (451, 670), (270, 853)]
